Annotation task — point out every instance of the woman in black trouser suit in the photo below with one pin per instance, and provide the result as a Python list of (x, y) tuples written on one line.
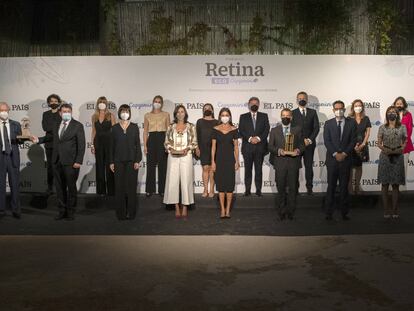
[(125, 159)]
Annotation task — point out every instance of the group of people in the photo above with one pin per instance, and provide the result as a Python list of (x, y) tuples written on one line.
[(169, 148)]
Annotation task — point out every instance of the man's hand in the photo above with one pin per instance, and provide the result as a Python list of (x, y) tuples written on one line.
[(340, 156), (306, 141), (136, 166), (34, 139), (76, 165), (112, 167)]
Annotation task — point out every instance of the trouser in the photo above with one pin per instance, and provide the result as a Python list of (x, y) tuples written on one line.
[(338, 171), (156, 156), (7, 169), (126, 180), (104, 176), (308, 163), (287, 178), (253, 158), (65, 177), (49, 167)]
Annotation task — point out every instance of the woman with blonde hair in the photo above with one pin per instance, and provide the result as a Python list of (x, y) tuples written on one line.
[(102, 122)]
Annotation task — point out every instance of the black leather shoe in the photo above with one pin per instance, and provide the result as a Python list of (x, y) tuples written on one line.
[(247, 193), (148, 194), (60, 216), (16, 215), (259, 193), (310, 191), (329, 217), (345, 217)]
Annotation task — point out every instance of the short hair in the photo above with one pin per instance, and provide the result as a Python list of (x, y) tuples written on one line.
[(5, 104), (176, 111), (403, 101), (65, 105), (285, 109), (124, 107), (302, 93), (338, 102), (254, 98), (55, 96)]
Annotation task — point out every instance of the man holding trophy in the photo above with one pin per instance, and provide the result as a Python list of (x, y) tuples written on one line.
[(286, 144)]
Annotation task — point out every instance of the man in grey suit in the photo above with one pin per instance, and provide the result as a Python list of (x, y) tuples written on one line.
[(286, 165)]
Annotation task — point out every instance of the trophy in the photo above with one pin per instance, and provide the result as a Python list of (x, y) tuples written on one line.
[(289, 150), (25, 123), (178, 144)]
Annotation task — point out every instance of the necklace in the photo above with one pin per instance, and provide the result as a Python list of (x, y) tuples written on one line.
[(124, 127)]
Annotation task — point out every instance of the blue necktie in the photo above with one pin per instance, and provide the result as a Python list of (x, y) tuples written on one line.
[(7, 148)]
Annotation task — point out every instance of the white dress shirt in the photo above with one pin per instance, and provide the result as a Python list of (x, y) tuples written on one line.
[(2, 135)]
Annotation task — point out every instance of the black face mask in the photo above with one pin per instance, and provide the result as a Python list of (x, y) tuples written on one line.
[(254, 108), (400, 109), (392, 117), (54, 106), (208, 113), (302, 103), (285, 121)]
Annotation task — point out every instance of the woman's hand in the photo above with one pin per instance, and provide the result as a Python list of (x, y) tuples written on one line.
[(136, 166), (213, 166), (93, 149), (237, 166), (145, 150), (112, 167), (197, 152)]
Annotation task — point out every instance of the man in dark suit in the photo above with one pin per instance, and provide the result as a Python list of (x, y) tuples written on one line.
[(9, 161), (339, 135), (308, 120), (67, 158), (286, 165), (253, 129), (49, 119)]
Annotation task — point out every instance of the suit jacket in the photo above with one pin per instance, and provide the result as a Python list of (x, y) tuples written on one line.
[(309, 123), (70, 148), (277, 141), (334, 144), (246, 130), (15, 130)]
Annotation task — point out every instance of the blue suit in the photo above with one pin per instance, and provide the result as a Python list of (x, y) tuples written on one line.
[(10, 165)]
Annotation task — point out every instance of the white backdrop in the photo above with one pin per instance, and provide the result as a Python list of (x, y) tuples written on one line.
[(224, 81)]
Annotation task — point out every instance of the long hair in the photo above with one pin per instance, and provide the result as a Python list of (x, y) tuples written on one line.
[(352, 112), (160, 98), (176, 111), (212, 108), (397, 121), (107, 112), (404, 103), (225, 109)]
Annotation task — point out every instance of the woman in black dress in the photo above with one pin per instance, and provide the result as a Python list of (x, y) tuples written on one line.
[(204, 129), (125, 158), (360, 153), (102, 122), (225, 159)]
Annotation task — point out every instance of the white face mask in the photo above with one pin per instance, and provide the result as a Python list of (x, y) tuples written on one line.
[(101, 106), (156, 105), (339, 113), (358, 109), (66, 116), (225, 120), (180, 117), (124, 116), (4, 115)]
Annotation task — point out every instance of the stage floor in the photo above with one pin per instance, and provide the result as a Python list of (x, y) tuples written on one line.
[(250, 216)]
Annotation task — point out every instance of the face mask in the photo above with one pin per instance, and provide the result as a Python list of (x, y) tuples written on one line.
[(4, 115), (339, 113), (156, 105), (66, 116), (225, 120), (101, 106), (286, 121), (392, 117), (254, 108), (358, 109), (208, 113), (302, 103), (180, 117), (400, 109), (54, 106), (125, 116)]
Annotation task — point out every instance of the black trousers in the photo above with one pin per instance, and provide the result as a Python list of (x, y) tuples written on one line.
[(253, 158), (338, 171), (104, 176), (308, 163), (49, 152), (65, 177), (6, 168), (287, 180), (156, 156), (126, 179)]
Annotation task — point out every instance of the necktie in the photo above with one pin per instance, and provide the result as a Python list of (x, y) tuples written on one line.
[(285, 131), (7, 148), (63, 130), (303, 113), (339, 130), (254, 121)]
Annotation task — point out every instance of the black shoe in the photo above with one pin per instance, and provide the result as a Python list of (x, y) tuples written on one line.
[(16, 215), (161, 194), (310, 191), (247, 193), (259, 193), (148, 194), (60, 216), (345, 217), (329, 217)]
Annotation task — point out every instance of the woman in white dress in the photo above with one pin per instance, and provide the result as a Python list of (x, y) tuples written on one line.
[(180, 141)]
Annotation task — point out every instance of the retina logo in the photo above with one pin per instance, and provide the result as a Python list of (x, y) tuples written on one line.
[(277, 105), (369, 105), (23, 107), (237, 70)]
